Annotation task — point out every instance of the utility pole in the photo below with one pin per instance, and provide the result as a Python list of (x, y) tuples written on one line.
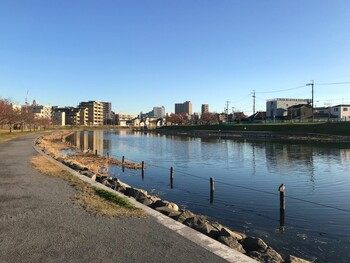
[(312, 99), (226, 110), (253, 102)]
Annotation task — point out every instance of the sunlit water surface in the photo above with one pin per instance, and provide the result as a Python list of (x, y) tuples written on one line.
[(247, 175)]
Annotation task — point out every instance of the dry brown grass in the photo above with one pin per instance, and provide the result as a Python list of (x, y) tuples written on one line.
[(55, 143), (86, 195)]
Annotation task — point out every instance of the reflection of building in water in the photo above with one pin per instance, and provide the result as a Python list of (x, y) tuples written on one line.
[(91, 140), (344, 156), (280, 155), (98, 142)]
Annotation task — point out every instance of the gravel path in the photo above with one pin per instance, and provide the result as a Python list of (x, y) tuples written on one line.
[(39, 222)]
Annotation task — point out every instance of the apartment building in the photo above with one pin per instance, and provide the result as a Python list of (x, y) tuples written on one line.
[(41, 111), (95, 112), (185, 108)]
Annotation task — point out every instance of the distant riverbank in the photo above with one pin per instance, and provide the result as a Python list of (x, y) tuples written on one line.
[(320, 132)]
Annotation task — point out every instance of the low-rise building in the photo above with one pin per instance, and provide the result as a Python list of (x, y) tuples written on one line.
[(300, 112), (341, 112), (278, 108)]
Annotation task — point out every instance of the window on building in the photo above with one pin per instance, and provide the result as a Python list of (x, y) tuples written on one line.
[(335, 109), (345, 109)]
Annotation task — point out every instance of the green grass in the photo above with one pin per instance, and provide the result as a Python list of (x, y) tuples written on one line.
[(114, 198)]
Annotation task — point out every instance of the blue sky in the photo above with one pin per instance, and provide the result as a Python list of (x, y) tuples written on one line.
[(140, 54)]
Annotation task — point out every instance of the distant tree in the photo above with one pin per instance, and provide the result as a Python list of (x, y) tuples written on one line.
[(5, 110), (12, 118), (178, 119), (208, 118)]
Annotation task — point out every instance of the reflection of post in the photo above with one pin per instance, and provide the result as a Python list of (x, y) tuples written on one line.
[(211, 197), (281, 189), (171, 177), (77, 143), (211, 190), (143, 170)]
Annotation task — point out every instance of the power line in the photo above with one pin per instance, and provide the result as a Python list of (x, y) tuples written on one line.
[(334, 83), (274, 91)]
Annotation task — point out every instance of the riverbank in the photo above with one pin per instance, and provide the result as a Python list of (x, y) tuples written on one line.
[(253, 247), (309, 132)]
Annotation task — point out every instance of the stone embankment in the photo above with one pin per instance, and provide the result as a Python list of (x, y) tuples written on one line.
[(253, 247)]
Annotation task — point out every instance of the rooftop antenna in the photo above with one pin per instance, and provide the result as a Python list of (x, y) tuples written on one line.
[(253, 95), (26, 98)]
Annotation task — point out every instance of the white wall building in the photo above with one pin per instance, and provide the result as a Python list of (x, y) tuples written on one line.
[(341, 111), (277, 108)]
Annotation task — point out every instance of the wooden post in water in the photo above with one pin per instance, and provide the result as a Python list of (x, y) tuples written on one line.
[(282, 197), (211, 190), (171, 177), (96, 152), (123, 159), (282, 189), (143, 165)]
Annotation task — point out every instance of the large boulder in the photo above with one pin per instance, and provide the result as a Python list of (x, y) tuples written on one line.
[(253, 244), (162, 203), (183, 216), (202, 225), (268, 255), (120, 186), (232, 243), (135, 192), (87, 173), (293, 259), (167, 211), (148, 200), (226, 232)]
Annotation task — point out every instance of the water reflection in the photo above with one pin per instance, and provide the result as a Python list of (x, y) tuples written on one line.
[(91, 141)]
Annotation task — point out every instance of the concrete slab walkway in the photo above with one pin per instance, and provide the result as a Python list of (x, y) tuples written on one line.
[(39, 223)]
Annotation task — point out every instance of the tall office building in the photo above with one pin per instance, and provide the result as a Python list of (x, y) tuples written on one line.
[(185, 107), (205, 108), (107, 112), (158, 112)]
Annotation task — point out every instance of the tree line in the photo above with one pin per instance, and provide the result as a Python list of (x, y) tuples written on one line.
[(22, 118)]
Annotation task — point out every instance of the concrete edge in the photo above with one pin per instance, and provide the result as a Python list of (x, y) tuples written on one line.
[(196, 237)]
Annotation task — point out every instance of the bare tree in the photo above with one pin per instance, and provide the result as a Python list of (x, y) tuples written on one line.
[(208, 118)]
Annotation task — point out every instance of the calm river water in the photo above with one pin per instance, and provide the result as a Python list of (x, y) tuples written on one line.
[(247, 176)]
